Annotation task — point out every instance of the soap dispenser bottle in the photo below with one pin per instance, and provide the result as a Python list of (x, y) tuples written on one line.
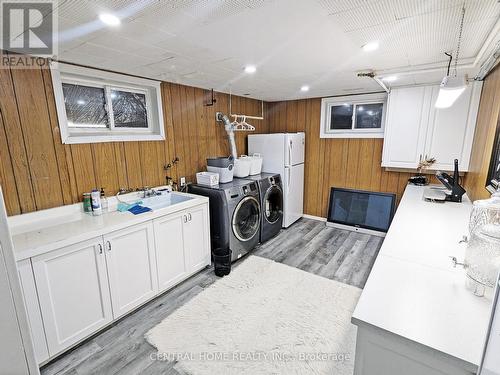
[(104, 201)]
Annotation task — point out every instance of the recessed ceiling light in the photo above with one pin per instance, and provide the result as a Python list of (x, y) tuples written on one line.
[(304, 88), (109, 19), (250, 69), (390, 78), (371, 46)]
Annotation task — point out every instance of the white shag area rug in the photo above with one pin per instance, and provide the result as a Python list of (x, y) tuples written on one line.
[(264, 318)]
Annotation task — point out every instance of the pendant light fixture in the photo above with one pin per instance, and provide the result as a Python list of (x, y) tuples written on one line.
[(452, 86)]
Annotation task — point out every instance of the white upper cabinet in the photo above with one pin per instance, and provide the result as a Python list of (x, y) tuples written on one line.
[(416, 130), (131, 264), (406, 126), (73, 293), (451, 130)]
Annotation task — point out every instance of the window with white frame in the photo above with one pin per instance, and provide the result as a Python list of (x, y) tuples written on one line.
[(353, 116), (98, 106)]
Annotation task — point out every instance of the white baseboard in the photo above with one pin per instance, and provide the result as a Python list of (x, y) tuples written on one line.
[(318, 218)]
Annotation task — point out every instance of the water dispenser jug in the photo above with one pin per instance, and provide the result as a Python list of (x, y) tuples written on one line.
[(482, 256)]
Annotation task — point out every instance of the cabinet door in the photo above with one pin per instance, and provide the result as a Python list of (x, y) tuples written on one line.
[(73, 292), (169, 243), (405, 129), (130, 259), (196, 239), (30, 297), (451, 130)]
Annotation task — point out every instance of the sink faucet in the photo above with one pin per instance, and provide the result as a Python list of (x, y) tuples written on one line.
[(148, 192)]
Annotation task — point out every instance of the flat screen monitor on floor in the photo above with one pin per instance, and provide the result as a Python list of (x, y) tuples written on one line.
[(361, 209)]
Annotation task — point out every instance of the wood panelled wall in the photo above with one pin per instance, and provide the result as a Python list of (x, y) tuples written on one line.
[(349, 163), (37, 171), (487, 120)]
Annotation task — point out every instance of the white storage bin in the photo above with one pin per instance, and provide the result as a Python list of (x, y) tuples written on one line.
[(207, 178), (225, 174)]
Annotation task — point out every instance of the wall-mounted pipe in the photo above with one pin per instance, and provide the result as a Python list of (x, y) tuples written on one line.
[(221, 117), (375, 78)]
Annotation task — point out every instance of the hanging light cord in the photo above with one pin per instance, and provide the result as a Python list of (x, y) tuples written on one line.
[(459, 38)]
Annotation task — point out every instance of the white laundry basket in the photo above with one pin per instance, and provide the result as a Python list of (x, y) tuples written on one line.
[(242, 167), (255, 163)]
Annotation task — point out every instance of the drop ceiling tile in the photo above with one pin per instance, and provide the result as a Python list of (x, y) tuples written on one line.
[(410, 8), (115, 41), (368, 15), (109, 54), (339, 6), (88, 10), (172, 21), (77, 57), (142, 32)]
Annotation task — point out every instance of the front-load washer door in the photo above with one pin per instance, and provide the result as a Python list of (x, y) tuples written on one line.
[(246, 219), (273, 204)]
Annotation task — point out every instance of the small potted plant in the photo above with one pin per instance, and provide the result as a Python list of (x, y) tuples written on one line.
[(420, 179)]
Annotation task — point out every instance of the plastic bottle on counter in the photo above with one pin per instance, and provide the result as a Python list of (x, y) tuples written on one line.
[(87, 203), (104, 201), (96, 203)]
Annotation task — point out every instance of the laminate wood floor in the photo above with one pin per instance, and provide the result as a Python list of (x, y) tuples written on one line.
[(308, 244)]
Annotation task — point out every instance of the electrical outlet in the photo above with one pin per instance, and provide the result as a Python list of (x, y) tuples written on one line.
[(183, 181)]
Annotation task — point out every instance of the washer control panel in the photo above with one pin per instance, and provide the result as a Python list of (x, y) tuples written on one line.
[(275, 180)]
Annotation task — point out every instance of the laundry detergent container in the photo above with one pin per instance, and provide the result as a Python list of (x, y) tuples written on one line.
[(224, 166)]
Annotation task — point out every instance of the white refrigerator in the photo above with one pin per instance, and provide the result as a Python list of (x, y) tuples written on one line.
[(17, 355), (284, 153)]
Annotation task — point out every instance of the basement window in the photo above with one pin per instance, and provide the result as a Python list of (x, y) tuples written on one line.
[(97, 106), (353, 116)]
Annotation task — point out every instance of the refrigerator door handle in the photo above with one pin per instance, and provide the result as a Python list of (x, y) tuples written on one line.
[(290, 153), (288, 178)]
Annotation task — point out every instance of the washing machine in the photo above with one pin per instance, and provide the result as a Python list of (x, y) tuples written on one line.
[(235, 216), (271, 203)]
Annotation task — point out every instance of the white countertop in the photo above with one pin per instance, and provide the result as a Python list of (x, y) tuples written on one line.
[(43, 231), (413, 290)]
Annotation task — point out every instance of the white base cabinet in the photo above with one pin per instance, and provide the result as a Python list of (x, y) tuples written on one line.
[(28, 287), (381, 353), (170, 254), (131, 264), (416, 130), (72, 292), (182, 245), (196, 238)]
